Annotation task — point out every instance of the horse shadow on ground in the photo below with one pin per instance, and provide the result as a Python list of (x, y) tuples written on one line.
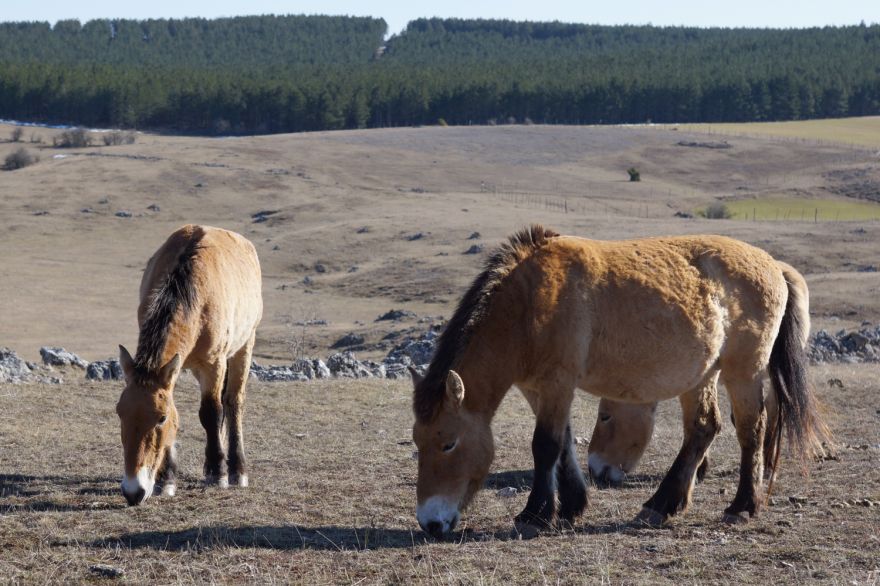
[(522, 480), (291, 537), (50, 493)]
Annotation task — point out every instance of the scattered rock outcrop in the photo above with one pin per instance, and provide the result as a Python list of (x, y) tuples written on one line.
[(13, 369), (54, 356), (109, 369), (851, 347)]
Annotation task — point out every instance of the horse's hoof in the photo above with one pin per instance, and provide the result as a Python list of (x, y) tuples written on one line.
[(651, 518), (169, 489), (240, 480), (735, 518), (526, 530), (220, 482)]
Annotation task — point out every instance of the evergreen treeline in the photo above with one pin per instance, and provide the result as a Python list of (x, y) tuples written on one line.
[(292, 73)]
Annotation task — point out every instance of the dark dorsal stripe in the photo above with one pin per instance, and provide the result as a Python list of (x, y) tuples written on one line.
[(177, 291), (469, 314)]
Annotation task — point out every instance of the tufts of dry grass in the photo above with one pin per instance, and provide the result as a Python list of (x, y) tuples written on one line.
[(333, 496)]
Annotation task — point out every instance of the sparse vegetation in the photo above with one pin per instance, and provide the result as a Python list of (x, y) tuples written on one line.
[(634, 174), (115, 138), (16, 133), (716, 211), (19, 159), (73, 138), (36, 138)]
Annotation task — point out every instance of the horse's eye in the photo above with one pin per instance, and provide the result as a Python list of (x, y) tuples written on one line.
[(604, 417), (162, 420), (449, 447)]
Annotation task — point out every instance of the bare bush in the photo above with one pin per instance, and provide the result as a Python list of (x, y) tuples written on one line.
[(19, 159), (36, 138), (717, 211), (16, 134), (73, 138), (116, 138), (634, 174)]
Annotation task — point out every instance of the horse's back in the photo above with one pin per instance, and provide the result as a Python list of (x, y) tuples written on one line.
[(226, 276), (668, 310)]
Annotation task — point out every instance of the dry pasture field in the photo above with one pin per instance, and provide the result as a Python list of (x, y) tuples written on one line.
[(352, 225), (332, 499)]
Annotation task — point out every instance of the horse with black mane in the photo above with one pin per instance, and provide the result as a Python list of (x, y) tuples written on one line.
[(200, 306), (636, 321)]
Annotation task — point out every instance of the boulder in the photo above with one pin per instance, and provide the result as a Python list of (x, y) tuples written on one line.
[(350, 339), (13, 369), (109, 369), (346, 365), (53, 356)]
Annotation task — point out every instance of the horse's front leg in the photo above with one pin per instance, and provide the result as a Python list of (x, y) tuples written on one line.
[(572, 484), (211, 381), (550, 440)]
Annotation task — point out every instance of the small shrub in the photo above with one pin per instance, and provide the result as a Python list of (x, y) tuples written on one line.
[(717, 211), (19, 160), (634, 174), (73, 138), (527, 121), (116, 138), (442, 122), (36, 138), (16, 134), (510, 120)]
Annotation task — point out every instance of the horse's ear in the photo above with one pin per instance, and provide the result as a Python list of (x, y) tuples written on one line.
[(455, 388), (416, 377), (127, 362), (169, 372)]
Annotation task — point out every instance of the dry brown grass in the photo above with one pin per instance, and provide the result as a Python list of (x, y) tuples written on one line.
[(332, 499)]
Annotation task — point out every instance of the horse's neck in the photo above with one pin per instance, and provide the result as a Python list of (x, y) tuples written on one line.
[(488, 369)]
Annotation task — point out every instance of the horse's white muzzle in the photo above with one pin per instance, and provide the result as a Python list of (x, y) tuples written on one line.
[(138, 488), (437, 516), (604, 474)]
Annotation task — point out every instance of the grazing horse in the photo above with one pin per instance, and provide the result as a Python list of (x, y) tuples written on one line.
[(636, 321), (623, 430), (200, 306)]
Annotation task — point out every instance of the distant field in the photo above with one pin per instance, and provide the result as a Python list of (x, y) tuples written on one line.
[(864, 132), (798, 209)]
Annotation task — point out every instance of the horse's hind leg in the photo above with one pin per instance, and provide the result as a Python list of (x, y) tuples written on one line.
[(747, 403), (702, 421), (211, 381), (233, 404)]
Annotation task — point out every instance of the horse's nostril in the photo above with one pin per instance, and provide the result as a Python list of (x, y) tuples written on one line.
[(434, 528), (135, 498)]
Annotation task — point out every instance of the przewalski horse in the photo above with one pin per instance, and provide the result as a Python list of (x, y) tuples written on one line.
[(637, 321), (623, 430), (200, 306)]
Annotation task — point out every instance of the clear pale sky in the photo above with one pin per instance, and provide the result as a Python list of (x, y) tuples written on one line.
[(738, 13)]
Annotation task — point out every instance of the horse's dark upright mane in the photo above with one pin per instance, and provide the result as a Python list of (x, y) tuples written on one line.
[(471, 311), (177, 290)]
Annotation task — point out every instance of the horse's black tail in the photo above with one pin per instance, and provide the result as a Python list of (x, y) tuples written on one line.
[(798, 415)]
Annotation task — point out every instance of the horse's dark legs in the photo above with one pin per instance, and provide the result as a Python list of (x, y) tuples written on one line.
[(541, 506), (555, 461), (747, 402), (233, 405), (570, 478), (702, 421), (212, 381)]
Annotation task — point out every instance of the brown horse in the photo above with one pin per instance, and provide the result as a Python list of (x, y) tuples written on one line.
[(623, 430), (636, 321), (200, 305)]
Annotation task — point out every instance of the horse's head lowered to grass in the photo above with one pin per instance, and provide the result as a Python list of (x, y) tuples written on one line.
[(455, 452), (149, 424)]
